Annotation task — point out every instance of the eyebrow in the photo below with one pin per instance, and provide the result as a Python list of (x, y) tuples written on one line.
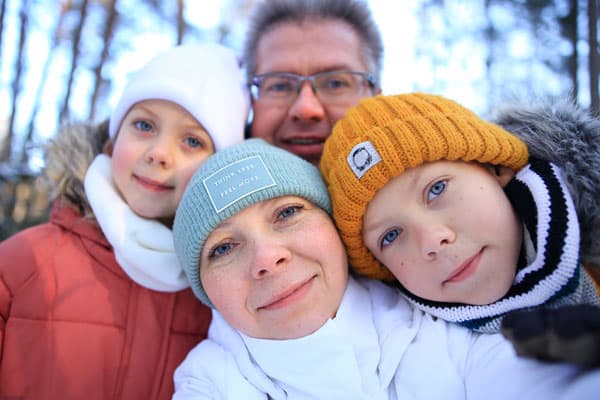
[(141, 107), (318, 70), (372, 227), (198, 129), (416, 173), (414, 179), (221, 225)]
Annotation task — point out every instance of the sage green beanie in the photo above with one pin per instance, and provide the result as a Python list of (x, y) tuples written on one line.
[(228, 182)]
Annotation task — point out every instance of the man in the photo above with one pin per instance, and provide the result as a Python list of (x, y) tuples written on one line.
[(307, 62)]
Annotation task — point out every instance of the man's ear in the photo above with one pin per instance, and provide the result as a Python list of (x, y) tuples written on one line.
[(503, 174)]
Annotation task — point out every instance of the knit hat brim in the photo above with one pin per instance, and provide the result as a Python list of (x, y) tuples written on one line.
[(205, 79)]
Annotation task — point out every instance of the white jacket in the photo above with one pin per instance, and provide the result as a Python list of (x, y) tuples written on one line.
[(377, 347)]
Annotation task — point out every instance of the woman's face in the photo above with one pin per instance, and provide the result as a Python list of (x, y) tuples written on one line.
[(275, 270)]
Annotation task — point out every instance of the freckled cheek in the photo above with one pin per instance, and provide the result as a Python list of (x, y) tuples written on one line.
[(331, 237), (402, 276), (220, 289), (406, 266)]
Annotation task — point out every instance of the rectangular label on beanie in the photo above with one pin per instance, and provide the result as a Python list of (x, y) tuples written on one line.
[(362, 158), (236, 181)]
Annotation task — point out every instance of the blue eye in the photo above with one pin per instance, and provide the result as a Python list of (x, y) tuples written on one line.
[(335, 83), (389, 237), (278, 85), (220, 250), (289, 211), (193, 142), (281, 87), (436, 189), (143, 126)]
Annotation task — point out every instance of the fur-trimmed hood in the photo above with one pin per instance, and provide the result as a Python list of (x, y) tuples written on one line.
[(68, 156), (563, 133)]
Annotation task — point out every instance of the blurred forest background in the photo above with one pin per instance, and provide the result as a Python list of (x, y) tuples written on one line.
[(64, 61)]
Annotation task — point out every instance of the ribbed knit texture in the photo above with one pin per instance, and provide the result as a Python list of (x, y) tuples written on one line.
[(197, 214), (554, 277), (402, 132)]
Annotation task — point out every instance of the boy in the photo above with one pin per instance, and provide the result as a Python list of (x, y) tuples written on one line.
[(423, 192), (93, 304), (254, 235)]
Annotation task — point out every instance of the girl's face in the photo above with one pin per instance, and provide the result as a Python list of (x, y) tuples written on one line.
[(158, 148), (447, 231), (275, 270)]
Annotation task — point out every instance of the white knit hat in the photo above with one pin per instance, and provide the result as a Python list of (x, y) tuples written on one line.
[(205, 79)]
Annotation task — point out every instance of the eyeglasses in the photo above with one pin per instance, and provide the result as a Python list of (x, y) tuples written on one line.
[(331, 87)]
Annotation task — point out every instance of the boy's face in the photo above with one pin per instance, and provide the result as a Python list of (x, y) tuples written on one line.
[(276, 270), (157, 149), (447, 231)]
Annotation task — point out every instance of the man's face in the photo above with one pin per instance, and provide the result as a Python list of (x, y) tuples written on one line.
[(302, 125)]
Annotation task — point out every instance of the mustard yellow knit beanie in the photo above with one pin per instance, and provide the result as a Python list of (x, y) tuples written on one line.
[(385, 135)]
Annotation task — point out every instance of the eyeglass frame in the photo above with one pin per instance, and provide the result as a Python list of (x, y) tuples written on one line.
[(256, 80)]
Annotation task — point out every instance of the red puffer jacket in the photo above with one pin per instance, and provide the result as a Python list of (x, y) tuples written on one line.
[(73, 325)]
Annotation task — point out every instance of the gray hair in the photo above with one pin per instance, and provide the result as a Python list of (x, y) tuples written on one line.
[(355, 13)]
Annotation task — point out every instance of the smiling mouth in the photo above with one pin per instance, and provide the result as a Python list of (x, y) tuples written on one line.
[(465, 270), (304, 141), (288, 296), (152, 185)]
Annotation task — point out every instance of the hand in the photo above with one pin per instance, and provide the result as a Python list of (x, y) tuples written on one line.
[(567, 334)]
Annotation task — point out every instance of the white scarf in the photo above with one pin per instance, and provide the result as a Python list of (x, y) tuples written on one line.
[(341, 360), (143, 247)]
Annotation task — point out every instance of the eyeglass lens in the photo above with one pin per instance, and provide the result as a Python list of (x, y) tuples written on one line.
[(328, 86)]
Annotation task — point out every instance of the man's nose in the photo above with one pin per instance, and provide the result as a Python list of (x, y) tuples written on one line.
[(307, 106)]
